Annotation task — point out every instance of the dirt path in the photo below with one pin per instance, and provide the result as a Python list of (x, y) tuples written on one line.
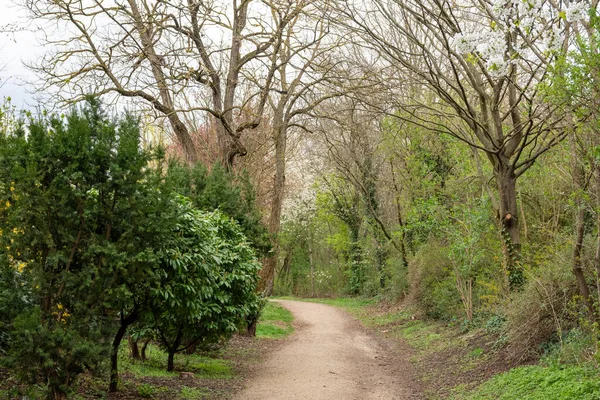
[(331, 356)]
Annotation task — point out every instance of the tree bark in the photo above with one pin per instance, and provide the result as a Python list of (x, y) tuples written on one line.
[(57, 394), (355, 258), (167, 107), (172, 350), (578, 180), (584, 289), (171, 360), (144, 347), (312, 267), (133, 348), (403, 253), (114, 352), (114, 359), (267, 274), (597, 255), (251, 329), (509, 224)]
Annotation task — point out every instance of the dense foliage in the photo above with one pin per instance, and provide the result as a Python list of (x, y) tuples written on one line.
[(94, 240)]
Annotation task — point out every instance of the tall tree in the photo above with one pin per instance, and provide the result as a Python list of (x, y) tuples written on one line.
[(168, 55), (477, 65), (301, 79)]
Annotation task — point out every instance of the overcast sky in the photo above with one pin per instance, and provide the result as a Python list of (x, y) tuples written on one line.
[(14, 49)]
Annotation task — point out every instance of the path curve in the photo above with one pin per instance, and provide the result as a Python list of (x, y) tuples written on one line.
[(331, 356)]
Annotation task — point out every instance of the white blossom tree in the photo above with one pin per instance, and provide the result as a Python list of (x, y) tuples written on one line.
[(474, 68)]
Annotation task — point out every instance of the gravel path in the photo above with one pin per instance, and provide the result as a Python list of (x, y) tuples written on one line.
[(331, 356)]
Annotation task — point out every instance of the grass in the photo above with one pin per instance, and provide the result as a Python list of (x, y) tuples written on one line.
[(539, 383), (156, 365), (193, 393), (275, 322)]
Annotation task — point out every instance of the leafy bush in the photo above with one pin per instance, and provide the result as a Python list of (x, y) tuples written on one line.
[(208, 282), (93, 240), (218, 189), (432, 284), (145, 390), (79, 222)]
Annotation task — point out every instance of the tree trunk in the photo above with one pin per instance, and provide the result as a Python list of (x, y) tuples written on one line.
[(597, 255), (355, 260), (114, 359), (114, 351), (251, 329), (56, 394), (133, 348), (267, 274), (172, 349), (167, 105), (229, 146), (509, 224), (182, 134), (578, 180), (191, 349), (312, 267), (171, 360), (144, 347), (584, 289), (403, 253), (54, 385)]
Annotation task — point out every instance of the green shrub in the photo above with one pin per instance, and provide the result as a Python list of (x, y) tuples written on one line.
[(145, 390), (431, 281), (80, 216), (208, 283), (53, 352), (218, 189)]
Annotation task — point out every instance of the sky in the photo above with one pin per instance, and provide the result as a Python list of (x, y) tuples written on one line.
[(14, 50)]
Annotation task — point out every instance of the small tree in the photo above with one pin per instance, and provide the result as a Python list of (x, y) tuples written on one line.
[(208, 281), (80, 224)]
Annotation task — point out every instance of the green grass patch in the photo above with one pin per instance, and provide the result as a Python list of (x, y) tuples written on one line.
[(156, 364), (206, 367), (539, 383), (276, 312), (193, 393), (146, 390), (275, 322), (475, 353)]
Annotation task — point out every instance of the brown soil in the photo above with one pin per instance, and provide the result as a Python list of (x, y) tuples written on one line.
[(332, 356), (441, 371)]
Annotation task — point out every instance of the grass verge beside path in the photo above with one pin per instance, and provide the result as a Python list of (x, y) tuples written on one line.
[(275, 322), (211, 375), (469, 365)]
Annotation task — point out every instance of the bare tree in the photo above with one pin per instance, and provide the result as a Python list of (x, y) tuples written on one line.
[(178, 57), (303, 71)]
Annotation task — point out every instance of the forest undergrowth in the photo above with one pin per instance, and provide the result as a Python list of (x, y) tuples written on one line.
[(211, 374)]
